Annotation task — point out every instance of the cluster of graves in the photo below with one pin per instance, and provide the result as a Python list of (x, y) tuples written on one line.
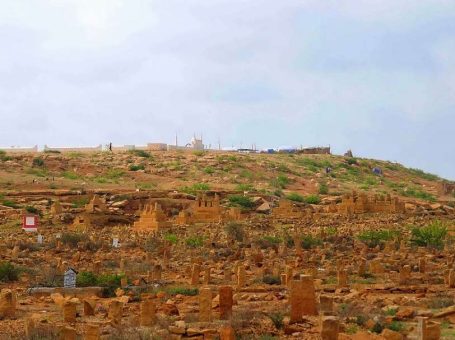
[(298, 273)]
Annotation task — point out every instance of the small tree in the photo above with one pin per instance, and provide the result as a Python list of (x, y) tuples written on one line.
[(235, 231)]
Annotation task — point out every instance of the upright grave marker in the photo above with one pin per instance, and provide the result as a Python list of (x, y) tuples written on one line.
[(69, 278)]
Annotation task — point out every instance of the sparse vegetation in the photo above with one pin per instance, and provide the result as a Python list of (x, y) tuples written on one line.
[(293, 196), (187, 291), (244, 202), (312, 199), (271, 280), (140, 153), (38, 162), (235, 231), (171, 238), (193, 189), (432, 235), (80, 202), (373, 238), (268, 242), (136, 167), (72, 239), (209, 170), (244, 187), (9, 272), (280, 182), (309, 241), (194, 241), (110, 282), (70, 175), (277, 319), (323, 188)]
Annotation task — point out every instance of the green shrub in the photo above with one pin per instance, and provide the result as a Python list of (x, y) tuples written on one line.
[(199, 153), (86, 279), (391, 311), (140, 153), (193, 189), (241, 201), (38, 162), (172, 238), (114, 174), (134, 167), (209, 170), (195, 241), (432, 235), (268, 242), (246, 174), (4, 157), (235, 231), (309, 241), (32, 210), (377, 328), (70, 175), (293, 196), (52, 151), (323, 188), (277, 319), (313, 165), (182, 291), (280, 182), (417, 193), (351, 161), (244, 187), (373, 238), (80, 202), (9, 272), (110, 282), (271, 280), (424, 175), (396, 326), (312, 199), (11, 204)]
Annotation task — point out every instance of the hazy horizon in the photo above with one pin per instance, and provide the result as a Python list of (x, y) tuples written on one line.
[(377, 77)]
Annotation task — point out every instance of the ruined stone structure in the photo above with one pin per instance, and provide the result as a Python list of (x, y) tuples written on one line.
[(361, 204), (152, 219), (286, 209), (204, 210), (447, 188), (315, 151), (94, 213), (96, 204)]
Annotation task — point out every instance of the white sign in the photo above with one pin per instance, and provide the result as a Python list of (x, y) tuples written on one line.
[(30, 223), (40, 239), (115, 243)]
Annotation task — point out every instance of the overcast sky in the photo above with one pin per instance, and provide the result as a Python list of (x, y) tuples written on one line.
[(377, 76)]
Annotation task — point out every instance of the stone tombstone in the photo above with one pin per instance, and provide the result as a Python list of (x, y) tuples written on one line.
[(92, 332), (69, 312), (40, 239), (7, 304), (148, 313), (69, 278), (226, 302), (115, 242), (329, 328), (68, 333), (205, 305)]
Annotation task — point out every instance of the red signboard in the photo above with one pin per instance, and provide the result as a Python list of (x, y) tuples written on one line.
[(30, 223)]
